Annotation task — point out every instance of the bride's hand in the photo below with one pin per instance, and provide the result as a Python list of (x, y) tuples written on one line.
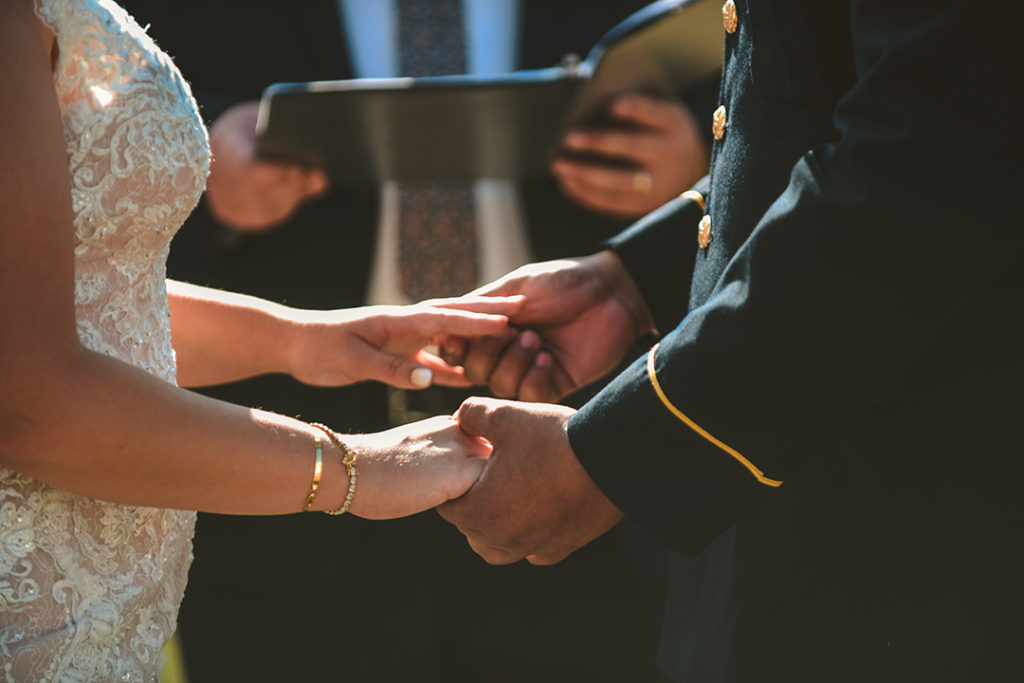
[(387, 343), (414, 467)]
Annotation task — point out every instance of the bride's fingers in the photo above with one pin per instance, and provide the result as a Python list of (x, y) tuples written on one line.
[(441, 373), (497, 305), (431, 323), (417, 372)]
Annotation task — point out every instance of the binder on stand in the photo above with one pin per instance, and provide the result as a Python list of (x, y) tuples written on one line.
[(472, 126)]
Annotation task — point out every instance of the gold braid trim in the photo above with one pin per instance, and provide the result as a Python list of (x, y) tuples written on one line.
[(758, 474)]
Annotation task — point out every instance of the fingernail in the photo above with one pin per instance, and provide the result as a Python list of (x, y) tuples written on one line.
[(529, 340), (543, 360), (421, 377)]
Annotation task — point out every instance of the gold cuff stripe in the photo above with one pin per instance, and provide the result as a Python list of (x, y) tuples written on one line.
[(758, 474), (693, 195)]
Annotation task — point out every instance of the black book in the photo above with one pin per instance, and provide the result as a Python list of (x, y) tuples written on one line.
[(471, 126)]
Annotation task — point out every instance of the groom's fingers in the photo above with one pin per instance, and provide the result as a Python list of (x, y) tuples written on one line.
[(538, 384), (452, 348), (457, 513), (482, 354), (491, 554), (514, 363)]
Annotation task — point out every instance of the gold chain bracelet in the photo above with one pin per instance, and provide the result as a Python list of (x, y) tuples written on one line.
[(348, 459)]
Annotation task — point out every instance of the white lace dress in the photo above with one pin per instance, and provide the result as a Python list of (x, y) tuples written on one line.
[(89, 590)]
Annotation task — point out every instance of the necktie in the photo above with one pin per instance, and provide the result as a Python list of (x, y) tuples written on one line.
[(437, 231)]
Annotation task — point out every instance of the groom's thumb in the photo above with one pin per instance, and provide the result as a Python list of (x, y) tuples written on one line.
[(475, 416)]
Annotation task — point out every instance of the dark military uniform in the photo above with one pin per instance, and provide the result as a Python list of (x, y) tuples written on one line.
[(828, 426)]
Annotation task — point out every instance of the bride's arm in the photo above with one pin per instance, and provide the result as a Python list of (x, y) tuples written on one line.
[(96, 426), (223, 336)]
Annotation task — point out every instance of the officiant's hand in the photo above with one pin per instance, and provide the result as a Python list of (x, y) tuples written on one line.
[(387, 343), (533, 499), (656, 149), (248, 193), (582, 315)]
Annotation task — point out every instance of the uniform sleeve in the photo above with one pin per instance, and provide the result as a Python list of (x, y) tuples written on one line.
[(878, 244)]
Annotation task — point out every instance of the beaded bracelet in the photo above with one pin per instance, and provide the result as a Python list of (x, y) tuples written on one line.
[(348, 459), (318, 469)]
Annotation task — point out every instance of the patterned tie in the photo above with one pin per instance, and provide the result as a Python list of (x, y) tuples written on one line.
[(437, 233)]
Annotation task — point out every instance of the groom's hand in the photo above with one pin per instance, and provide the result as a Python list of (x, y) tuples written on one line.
[(534, 499), (582, 314)]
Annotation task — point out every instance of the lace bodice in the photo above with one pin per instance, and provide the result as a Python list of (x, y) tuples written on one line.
[(89, 590)]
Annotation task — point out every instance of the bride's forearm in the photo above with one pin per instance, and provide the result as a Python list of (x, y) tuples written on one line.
[(95, 426), (222, 336), (101, 428)]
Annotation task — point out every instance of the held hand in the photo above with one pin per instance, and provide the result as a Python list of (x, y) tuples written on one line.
[(582, 313), (414, 467), (386, 343), (534, 499), (248, 193), (662, 150)]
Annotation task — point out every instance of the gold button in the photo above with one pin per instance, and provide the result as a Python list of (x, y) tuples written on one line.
[(704, 232), (695, 196), (729, 19), (718, 123)]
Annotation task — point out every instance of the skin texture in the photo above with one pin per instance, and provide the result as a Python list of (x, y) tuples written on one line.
[(580, 316), (88, 423), (428, 462), (221, 337), (533, 500)]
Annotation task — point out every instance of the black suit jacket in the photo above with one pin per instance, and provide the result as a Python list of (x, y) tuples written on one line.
[(852, 330), (272, 599)]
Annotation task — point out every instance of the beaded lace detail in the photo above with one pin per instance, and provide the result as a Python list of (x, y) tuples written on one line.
[(89, 590)]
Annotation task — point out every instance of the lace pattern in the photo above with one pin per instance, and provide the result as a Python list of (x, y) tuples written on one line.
[(89, 590)]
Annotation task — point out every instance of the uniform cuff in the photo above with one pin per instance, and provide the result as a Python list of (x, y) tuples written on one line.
[(660, 471)]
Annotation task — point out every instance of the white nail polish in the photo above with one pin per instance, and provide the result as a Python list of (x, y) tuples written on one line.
[(421, 377)]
